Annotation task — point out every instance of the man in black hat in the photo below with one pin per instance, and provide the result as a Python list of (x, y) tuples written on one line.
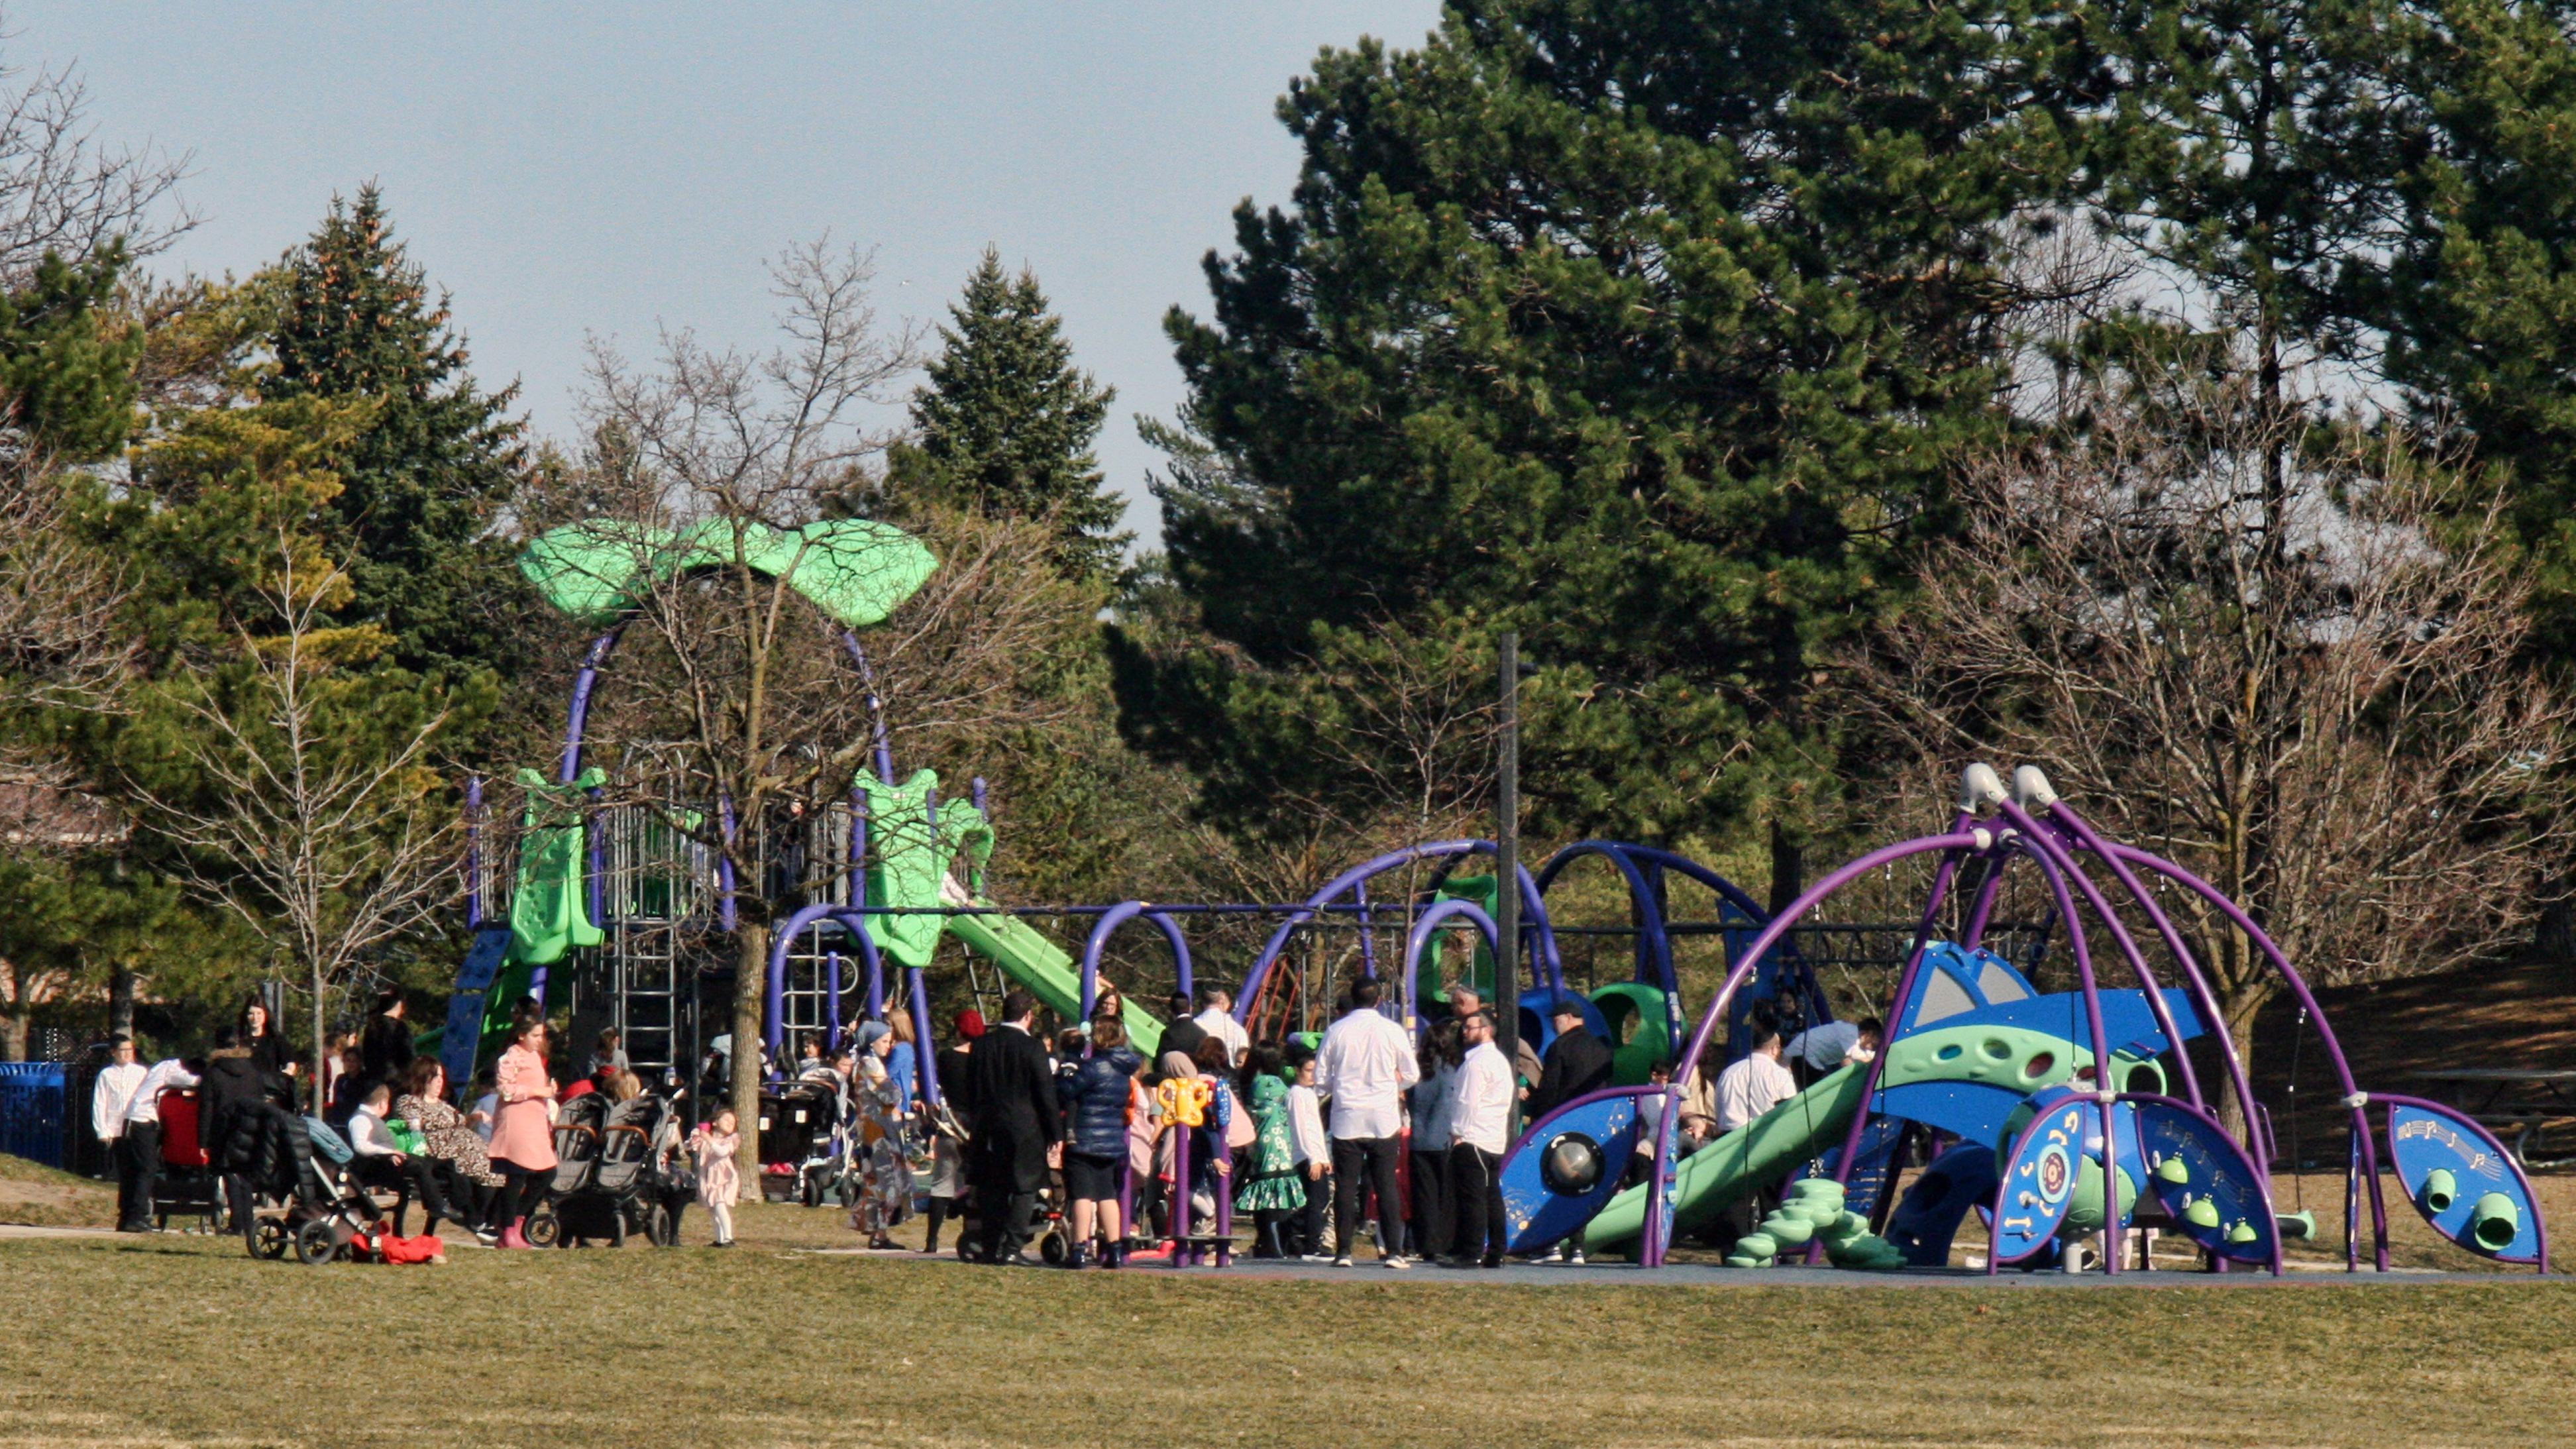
[(1575, 1063)]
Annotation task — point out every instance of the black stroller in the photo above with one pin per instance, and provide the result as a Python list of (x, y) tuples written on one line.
[(301, 1201), (623, 1193), (796, 1132), (579, 1139)]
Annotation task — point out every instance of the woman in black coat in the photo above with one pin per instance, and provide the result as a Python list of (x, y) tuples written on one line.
[(385, 1051)]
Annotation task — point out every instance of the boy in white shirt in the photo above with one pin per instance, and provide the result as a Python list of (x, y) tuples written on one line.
[(1312, 1152), (111, 1107)]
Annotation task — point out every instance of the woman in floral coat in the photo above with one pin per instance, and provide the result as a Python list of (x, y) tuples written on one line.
[(885, 1179)]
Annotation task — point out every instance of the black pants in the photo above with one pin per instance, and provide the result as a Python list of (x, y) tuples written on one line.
[(1310, 1218), (1430, 1221), (940, 1208), (1478, 1228), (138, 1161), (413, 1177), (522, 1190), (1374, 1156), (1003, 1218)]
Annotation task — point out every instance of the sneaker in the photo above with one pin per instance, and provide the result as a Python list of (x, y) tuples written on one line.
[(1315, 1258), (1397, 1261), (1574, 1258), (487, 1237), (1342, 1262)]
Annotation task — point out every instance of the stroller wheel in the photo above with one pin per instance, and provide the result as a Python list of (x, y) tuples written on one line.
[(267, 1239), (1054, 1248), (316, 1244), (810, 1193), (543, 1229), (659, 1229)]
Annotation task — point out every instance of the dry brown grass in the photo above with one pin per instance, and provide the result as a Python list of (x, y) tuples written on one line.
[(171, 1341)]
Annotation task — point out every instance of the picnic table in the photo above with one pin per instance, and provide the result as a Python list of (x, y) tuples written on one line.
[(2526, 1101)]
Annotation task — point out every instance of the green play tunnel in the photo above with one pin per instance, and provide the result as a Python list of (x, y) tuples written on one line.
[(2494, 1220)]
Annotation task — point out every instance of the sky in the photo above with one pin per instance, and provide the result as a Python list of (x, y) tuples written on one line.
[(566, 171)]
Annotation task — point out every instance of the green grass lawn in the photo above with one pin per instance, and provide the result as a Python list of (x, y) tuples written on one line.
[(187, 1341)]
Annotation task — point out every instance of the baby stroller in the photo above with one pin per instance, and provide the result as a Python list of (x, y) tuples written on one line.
[(624, 1195), (185, 1186), (831, 1166), (302, 1200), (1053, 1241), (579, 1136), (791, 1118)]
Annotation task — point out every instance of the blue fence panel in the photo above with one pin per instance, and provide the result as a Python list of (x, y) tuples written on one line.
[(34, 1098)]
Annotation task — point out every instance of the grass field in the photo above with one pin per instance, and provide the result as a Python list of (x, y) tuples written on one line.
[(176, 1340)]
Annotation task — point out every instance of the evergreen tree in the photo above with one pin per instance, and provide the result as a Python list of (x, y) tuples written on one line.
[(423, 480), (1007, 422), (1642, 326)]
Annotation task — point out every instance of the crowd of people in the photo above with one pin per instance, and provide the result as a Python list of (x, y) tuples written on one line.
[(1280, 1131)]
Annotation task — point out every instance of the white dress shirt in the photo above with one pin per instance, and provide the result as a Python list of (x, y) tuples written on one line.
[(1225, 1028), (146, 1106), (1306, 1128), (1480, 1099), (1750, 1088), (112, 1098), (1366, 1064)]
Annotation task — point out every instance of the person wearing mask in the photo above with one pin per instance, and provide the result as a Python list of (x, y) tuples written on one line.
[(1443, 1047), (1576, 1063), (1364, 1067), (1746, 1090), (1216, 1018), (1480, 1110), (523, 1147), (1311, 1150), (1184, 1034), (1096, 1095), (111, 1104), (1014, 1125)]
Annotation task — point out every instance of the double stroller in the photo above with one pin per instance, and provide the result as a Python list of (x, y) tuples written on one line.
[(611, 1180)]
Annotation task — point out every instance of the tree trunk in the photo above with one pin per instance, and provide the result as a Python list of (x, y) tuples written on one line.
[(750, 1012), (13, 1037), (321, 1044), (2239, 1002), (1788, 868), (120, 1002)]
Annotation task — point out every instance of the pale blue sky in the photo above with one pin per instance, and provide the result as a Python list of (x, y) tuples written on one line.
[(563, 169)]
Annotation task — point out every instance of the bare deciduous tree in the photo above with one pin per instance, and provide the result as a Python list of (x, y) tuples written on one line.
[(62, 190), (313, 817), (2268, 671)]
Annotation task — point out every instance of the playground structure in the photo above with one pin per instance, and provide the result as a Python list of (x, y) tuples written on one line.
[(2065, 1118)]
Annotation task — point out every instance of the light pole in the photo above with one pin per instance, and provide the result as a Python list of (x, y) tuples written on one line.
[(1507, 863)]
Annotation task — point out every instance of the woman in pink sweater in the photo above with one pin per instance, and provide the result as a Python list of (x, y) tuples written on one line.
[(523, 1136)]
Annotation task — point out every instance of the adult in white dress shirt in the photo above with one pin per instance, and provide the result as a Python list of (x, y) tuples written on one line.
[(1366, 1064)]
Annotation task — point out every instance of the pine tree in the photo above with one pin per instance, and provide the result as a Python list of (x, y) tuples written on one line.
[(422, 482), (1007, 422), (1642, 326)]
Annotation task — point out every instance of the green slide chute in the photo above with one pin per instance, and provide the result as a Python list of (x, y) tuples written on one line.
[(1729, 1169)]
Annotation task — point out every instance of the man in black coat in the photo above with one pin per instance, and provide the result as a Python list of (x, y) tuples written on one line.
[(1011, 1111), (1180, 1034), (1576, 1062)]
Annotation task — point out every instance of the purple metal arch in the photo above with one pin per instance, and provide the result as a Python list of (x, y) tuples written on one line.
[(1101, 930), (774, 997), (1417, 939), (1654, 952), (1780, 924), (2298, 985), (1533, 911), (578, 719), (876, 707)]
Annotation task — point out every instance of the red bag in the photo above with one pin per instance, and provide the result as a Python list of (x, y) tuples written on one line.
[(410, 1250)]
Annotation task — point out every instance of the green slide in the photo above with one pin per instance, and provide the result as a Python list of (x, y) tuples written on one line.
[(1040, 965), (1722, 1173)]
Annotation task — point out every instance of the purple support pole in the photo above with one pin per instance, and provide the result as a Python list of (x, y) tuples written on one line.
[(473, 852), (1225, 1190), (876, 707), (1418, 941), (1183, 1255), (855, 885), (923, 1049), (1368, 933), (832, 1000), (579, 717), (876, 989)]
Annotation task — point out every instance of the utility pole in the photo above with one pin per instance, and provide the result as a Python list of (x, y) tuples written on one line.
[(1507, 871)]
